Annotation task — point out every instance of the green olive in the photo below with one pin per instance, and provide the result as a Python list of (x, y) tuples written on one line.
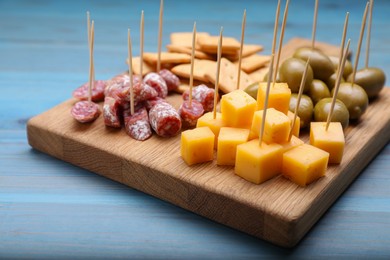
[(332, 80), (320, 63), (252, 89), (265, 79), (318, 90), (340, 112), (305, 110), (347, 66), (291, 72), (372, 80), (354, 98)]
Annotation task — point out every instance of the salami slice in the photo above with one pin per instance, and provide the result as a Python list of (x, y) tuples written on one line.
[(85, 111), (164, 119), (111, 112), (190, 113), (171, 79), (203, 95), (152, 102), (137, 125), (98, 88), (158, 83)]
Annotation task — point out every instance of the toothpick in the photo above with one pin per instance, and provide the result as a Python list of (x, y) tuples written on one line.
[(130, 72), (160, 21), (89, 42), (217, 73), (343, 39), (91, 62), (301, 87), (276, 24), (141, 45), (266, 100), (241, 46), (281, 40), (313, 33), (337, 85), (192, 63), (369, 33), (359, 44)]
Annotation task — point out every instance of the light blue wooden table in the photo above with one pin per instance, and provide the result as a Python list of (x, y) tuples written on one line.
[(51, 209)]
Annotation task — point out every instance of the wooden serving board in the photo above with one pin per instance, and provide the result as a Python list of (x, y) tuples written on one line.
[(278, 210)]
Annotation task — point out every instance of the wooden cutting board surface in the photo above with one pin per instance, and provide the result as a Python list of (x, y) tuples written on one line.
[(278, 210)]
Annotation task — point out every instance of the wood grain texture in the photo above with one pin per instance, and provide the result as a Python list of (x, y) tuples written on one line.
[(277, 211)]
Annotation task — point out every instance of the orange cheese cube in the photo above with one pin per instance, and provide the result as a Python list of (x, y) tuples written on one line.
[(331, 140), (228, 140), (276, 127), (197, 145), (294, 142), (258, 164), (304, 164), (297, 125), (279, 96), (214, 124), (237, 108)]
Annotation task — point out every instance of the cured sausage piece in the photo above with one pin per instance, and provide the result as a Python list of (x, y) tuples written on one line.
[(119, 82), (158, 83), (141, 91), (152, 102), (203, 95), (111, 112), (164, 119), (85, 111), (190, 113), (137, 125), (171, 79), (98, 88)]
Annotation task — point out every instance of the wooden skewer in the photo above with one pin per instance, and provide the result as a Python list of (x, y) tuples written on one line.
[(130, 72), (217, 73), (266, 99), (141, 45), (241, 46), (275, 27), (359, 44), (369, 33), (90, 85), (160, 21), (301, 87), (337, 85), (313, 33), (281, 40), (192, 63), (89, 42), (343, 39)]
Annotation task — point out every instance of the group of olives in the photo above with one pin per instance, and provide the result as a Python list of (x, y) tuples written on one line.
[(352, 100)]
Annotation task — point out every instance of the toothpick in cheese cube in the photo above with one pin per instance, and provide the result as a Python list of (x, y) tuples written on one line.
[(297, 125), (214, 124)]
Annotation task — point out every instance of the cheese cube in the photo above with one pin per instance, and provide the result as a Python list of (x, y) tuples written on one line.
[(258, 164), (297, 125), (304, 164), (228, 140), (331, 140), (276, 127), (279, 96), (197, 145), (214, 124), (294, 142), (237, 108)]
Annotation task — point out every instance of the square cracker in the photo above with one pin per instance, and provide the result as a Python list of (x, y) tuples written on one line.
[(182, 49), (228, 77), (167, 57), (200, 69), (185, 38), (247, 50), (209, 44), (146, 67), (253, 62), (258, 75)]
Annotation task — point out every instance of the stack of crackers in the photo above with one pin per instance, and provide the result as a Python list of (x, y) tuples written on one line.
[(178, 59)]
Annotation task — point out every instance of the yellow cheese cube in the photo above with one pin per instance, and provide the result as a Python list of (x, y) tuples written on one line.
[(297, 125), (279, 96), (197, 145), (237, 108), (294, 142), (258, 164), (214, 124), (276, 127), (304, 164), (331, 141), (228, 140)]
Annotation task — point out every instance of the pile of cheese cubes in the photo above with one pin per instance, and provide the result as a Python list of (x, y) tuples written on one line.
[(234, 133)]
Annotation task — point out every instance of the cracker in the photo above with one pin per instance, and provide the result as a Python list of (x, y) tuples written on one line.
[(200, 69), (182, 49), (209, 44), (146, 68), (228, 77), (184, 39), (249, 49), (185, 85), (167, 57), (254, 62), (258, 75)]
